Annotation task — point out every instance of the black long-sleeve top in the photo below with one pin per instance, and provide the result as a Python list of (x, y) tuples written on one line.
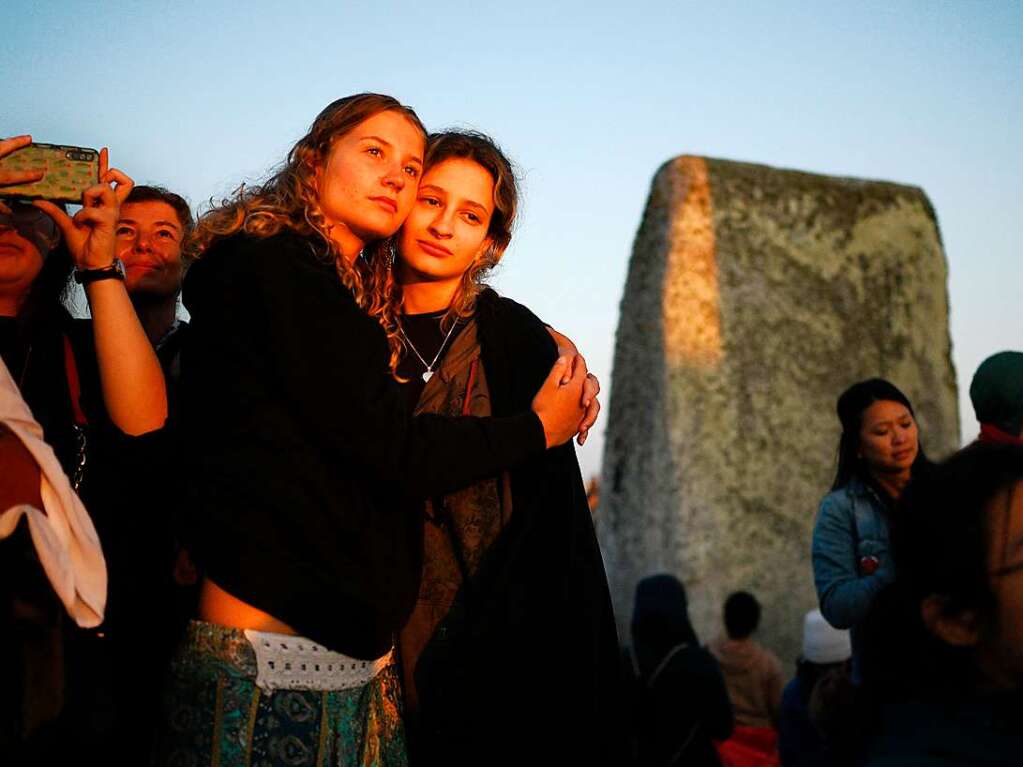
[(297, 435)]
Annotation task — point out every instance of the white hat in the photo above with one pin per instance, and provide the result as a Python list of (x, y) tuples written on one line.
[(822, 642)]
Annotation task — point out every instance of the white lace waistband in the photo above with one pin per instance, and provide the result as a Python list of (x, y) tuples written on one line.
[(286, 662)]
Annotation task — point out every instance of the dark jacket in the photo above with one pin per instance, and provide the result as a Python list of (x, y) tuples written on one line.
[(104, 707), (529, 672), (294, 427), (986, 731), (680, 704)]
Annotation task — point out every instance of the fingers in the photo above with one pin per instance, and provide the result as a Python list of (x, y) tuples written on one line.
[(558, 375), (98, 196), (60, 218), (10, 177), (577, 361), (578, 371), (104, 162), (591, 388), (588, 420), (92, 217), (121, 181), (13, 144)]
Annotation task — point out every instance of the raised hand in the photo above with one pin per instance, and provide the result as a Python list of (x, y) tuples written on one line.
[(10, 177), (91, 233)]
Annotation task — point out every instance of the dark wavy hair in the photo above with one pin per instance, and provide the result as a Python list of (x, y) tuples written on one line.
[(851, 405)]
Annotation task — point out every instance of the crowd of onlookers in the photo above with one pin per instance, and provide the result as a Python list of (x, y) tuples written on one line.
[(914, 655), (95, 388)]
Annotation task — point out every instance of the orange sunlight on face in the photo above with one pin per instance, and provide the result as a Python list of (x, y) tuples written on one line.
[(149, 239), (368, 183), (447, 228)]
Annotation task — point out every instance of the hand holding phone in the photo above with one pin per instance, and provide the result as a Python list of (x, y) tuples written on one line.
[(46, 171), (91, 233)]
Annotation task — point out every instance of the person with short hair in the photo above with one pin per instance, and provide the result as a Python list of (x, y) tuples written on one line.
[(753, 674), (152, 232), (997, 396)]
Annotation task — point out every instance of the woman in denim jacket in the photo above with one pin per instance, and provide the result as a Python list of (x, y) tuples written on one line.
[(877, 454)]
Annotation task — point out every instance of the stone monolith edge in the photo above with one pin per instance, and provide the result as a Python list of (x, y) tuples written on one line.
[(754, 297)]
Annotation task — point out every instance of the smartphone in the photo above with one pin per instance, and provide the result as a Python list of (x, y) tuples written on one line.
[(70, 170)]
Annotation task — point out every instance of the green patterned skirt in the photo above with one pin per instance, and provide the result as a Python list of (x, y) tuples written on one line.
[(215, 714)]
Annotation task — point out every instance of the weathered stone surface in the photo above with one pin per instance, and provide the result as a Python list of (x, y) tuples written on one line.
[(754, 297)]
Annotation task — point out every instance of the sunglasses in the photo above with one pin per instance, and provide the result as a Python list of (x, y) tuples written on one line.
[(32, 224)]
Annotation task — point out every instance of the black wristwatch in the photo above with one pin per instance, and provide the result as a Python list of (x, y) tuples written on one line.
[(113, 272)]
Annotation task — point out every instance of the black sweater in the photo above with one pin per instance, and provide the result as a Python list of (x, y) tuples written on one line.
[(295, 428)]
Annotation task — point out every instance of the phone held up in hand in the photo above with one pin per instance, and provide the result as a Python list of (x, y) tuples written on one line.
[(70, 170)]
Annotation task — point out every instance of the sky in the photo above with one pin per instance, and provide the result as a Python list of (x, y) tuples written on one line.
[(589, 99)]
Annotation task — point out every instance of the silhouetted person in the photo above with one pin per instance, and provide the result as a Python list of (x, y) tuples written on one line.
[(997, 395), (681, 705)]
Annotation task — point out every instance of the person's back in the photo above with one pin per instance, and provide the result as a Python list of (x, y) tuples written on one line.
[(680, 705), (753, 674), (805, 740)]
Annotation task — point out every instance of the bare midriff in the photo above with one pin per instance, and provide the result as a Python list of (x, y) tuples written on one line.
[(217, 606)]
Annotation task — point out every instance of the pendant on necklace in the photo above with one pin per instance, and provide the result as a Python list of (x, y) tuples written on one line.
[(427, 375)]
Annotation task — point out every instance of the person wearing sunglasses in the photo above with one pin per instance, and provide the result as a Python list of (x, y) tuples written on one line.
[(97, 389)]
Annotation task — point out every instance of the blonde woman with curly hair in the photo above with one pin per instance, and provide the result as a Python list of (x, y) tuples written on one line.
[(513, 625), (295, 432)]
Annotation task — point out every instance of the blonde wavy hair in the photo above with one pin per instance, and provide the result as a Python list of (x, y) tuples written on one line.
[(385, 292), (289, 200)]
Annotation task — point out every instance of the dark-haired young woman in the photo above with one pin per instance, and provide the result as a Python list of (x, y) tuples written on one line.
[(947, 670), (297, 433), (511, 653), (878, 452)]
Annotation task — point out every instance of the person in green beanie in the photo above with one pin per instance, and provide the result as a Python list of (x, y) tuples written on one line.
[(997, 396)]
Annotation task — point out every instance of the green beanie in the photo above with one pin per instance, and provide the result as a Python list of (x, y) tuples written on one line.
[(997, 391)]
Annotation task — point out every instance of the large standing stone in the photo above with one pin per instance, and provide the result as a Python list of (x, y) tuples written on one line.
[(754, 297)]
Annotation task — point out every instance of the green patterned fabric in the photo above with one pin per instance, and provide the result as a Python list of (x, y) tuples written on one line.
[(214, 714)]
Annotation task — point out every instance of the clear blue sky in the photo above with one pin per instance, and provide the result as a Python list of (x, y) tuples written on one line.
[(589, 98)]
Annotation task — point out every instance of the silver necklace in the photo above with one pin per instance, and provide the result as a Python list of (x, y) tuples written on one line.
[(429, 367)]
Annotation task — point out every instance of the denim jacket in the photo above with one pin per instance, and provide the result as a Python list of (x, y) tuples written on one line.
[(852, 558)]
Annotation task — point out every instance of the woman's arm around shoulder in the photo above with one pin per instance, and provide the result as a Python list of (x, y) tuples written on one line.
[(329, 362)]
